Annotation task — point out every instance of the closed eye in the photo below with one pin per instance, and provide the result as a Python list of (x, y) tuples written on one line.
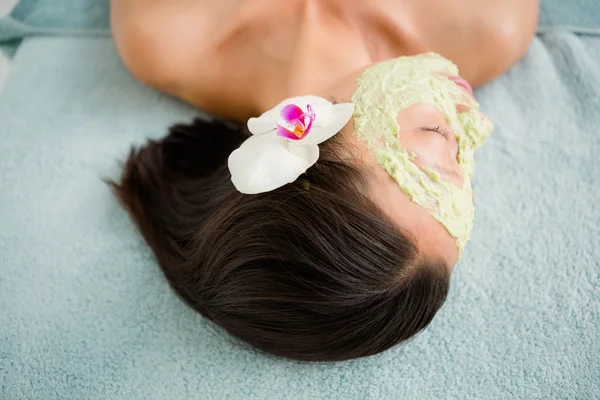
[(438, 129)]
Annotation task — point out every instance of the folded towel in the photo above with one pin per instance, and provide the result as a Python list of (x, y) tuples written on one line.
[(63, 14)]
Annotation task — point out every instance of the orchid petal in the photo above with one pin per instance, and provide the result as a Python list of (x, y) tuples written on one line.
[(336, 118), (263, 124), (308, 153), (323, 115), (291, 113), (266, 162)]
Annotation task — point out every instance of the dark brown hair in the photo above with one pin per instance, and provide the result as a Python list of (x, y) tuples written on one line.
[(310, 271)]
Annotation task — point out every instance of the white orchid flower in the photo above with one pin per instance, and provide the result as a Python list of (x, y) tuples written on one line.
[(284, 142)]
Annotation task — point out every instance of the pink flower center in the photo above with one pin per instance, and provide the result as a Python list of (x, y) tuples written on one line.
[(298, 122)]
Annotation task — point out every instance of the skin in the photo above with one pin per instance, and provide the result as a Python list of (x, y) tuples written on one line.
[(432, 150), (430, 236), (297, 47), (238, 59)]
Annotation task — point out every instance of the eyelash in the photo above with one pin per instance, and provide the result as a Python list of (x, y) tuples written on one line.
[(440, 130)]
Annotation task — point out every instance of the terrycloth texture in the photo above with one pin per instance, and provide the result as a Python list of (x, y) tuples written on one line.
[(65, 14), (86, 314), (575, 13), (79, 18), (8, 50)]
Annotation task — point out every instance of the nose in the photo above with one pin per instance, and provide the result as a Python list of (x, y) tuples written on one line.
[(464, 85), (461, 83)]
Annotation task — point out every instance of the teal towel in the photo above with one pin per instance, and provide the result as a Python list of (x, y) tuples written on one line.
[(575, 13), (63, 14), (86, 314)]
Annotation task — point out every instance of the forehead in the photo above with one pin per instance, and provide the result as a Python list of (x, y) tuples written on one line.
[(430, 236)]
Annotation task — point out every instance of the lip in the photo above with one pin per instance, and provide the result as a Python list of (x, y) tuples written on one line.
[(462, 83)]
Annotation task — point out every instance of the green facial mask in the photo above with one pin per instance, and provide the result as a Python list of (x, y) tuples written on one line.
[(386, 89)]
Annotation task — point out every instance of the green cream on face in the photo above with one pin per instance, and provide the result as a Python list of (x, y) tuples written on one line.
[(386, 89)]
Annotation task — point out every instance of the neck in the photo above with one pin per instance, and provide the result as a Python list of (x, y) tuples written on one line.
[(308, 51)]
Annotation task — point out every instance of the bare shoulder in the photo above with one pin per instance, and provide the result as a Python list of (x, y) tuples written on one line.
[(162, 41), (484, 37), (511, 26), (169, 45)]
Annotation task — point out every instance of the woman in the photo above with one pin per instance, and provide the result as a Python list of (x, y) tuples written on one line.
[(330, 233)]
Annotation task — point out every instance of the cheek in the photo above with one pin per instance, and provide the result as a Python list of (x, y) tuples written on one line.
[(432, 147), (431, 237)]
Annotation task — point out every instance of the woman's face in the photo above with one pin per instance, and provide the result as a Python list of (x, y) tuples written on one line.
[(431, 150)]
